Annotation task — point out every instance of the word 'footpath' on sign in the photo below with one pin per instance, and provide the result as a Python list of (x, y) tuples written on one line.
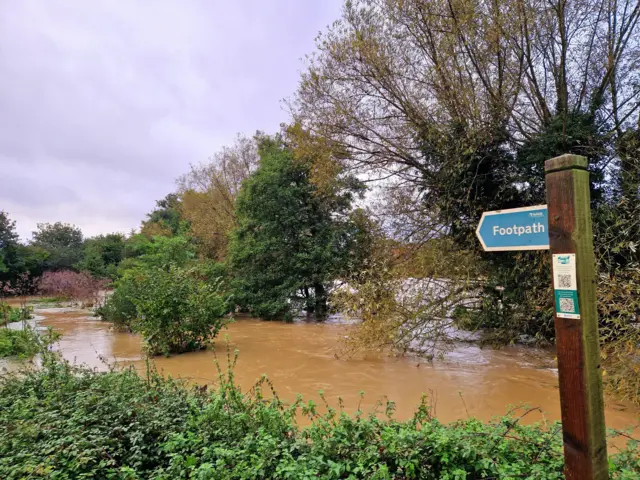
[(524, 228), (519, 230)]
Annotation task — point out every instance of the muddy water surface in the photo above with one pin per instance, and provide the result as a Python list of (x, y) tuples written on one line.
[(301, 358)]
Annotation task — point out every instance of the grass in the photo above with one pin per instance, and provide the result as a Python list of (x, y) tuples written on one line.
[(49, 300), (64, 422)]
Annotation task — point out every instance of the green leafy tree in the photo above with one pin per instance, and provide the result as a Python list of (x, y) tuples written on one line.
[(292, 239), (62, 241), (34, 259), (136, 244), (166, 218), (11, 262), (102, 254), (17, 259)]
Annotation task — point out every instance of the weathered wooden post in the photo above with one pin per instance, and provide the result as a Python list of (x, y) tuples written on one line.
[(576, 319)]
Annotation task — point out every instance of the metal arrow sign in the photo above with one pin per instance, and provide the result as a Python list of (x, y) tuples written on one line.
[(525, 228)]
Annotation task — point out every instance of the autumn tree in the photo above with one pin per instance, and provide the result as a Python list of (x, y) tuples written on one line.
[(209, 191), (452, 107), (464, 100)]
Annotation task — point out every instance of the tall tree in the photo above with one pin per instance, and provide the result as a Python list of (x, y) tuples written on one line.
[(11, 263), (62, 241), (209, 191), (102, 254), (165, 219), (438, 96), (454, 105), (291, 240)]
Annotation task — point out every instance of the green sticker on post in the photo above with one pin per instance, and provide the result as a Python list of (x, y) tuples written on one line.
[(565, 285)]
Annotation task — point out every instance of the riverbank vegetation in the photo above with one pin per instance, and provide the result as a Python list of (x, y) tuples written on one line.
[(9, 314), (64, 421), (22, 344)]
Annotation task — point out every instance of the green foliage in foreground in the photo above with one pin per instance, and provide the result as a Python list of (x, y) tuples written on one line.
[(67, 422), (18, 343)]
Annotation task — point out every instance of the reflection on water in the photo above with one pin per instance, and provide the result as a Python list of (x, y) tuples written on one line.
[(301, 358)]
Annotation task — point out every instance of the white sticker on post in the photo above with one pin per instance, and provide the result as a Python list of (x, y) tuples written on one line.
[(565, 285)]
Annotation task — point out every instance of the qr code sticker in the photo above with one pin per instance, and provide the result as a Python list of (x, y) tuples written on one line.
[(564, 281), (566, 305)]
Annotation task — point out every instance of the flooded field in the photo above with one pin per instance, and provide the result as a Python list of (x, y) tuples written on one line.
[(300, 358)]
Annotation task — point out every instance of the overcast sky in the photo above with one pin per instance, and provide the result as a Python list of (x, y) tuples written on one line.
[(104, 103)]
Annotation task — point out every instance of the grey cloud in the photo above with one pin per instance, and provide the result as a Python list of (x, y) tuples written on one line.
[(104, 103)]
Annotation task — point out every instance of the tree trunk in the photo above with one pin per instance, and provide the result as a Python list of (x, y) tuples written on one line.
[(320, 309)]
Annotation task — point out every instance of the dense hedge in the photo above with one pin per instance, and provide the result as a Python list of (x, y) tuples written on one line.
[(64, 422)]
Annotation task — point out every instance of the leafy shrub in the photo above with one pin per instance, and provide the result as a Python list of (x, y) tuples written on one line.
[(24, 343), (77, 286), (619, 309), (66, 422), (177, 311), (174, 308), (18, 343), (5, 313), (10, 314), (118, 307)]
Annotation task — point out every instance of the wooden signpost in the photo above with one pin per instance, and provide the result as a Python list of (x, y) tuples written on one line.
[(568, 223)]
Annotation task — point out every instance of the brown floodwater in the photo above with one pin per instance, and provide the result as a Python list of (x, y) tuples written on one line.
[(300, 358)]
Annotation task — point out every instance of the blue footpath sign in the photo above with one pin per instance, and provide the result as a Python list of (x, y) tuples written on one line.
[(525, 228)]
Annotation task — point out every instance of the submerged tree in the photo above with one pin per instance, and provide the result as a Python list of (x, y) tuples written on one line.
[(292, 239)]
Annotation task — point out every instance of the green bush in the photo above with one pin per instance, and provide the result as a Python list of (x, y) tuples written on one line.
[(9, 314), (24, 343), (119, 307), (68, 422), (177, 311)]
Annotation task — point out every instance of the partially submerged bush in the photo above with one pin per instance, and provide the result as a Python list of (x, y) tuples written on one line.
[(173, 308), (71, 422), (118, 307), (9, 314)]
